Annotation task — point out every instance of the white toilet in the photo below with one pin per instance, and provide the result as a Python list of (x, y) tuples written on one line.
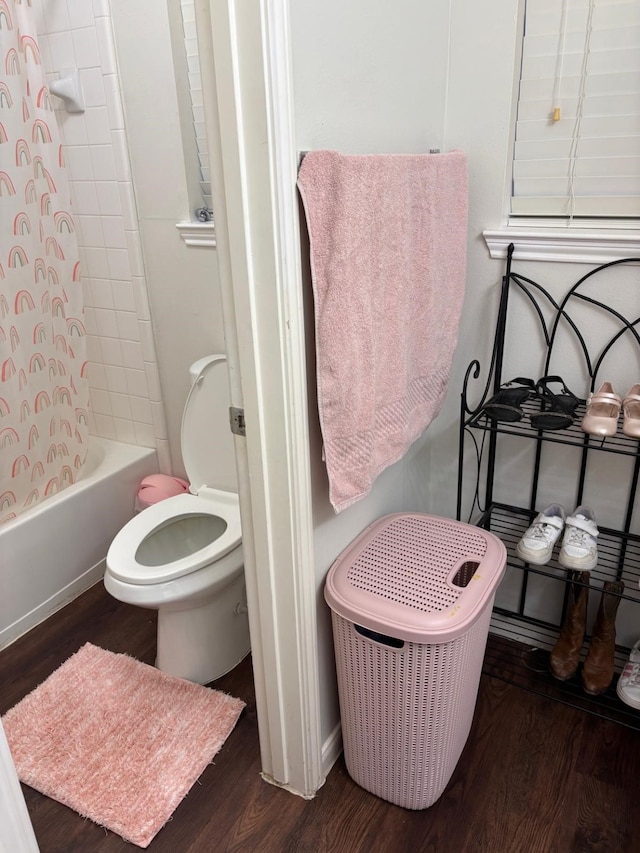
[(183, 555)]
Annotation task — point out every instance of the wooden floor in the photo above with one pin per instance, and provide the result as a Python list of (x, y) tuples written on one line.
[(535, 776)]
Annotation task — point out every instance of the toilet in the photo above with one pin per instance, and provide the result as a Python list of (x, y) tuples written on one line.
[(183, 556)]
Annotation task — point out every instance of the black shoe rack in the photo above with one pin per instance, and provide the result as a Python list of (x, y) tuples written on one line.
[(591, 322)]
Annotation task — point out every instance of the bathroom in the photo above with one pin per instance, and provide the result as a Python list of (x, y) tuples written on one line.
[(136, 371)]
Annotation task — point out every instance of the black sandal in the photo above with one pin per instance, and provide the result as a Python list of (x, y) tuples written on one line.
[(558, 410), (505, 404)]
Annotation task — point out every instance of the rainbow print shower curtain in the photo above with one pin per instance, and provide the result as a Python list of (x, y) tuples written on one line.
[(43, 386)]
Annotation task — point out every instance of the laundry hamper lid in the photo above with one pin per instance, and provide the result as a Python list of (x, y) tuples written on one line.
[(416, 577)]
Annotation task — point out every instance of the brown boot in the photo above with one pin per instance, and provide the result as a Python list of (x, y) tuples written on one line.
[(597, 672), (565, 655)]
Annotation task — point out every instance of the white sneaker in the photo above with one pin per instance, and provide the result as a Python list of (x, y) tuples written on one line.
[(537, 543), (628, 687), (579, 549)]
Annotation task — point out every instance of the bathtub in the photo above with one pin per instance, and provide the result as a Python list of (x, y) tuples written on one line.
[(56, 550)]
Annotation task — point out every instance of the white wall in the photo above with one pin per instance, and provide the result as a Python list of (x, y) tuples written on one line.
[(372, 77)]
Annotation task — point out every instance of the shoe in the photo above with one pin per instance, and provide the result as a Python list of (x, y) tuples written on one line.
[(579, 549), (628, 687), (505, 405), (603, 408), (631, 412), (537, 543), (565, 655), (557, 409), (597, 672)]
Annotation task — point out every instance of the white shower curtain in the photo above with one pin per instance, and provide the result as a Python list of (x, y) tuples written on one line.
[(43, 385)]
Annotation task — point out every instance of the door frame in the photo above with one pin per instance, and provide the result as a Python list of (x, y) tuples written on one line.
[(245, 66)]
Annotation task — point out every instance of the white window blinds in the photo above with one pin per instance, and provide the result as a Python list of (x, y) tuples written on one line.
[(577, 142)]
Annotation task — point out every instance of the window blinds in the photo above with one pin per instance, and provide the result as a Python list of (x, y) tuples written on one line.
[(581, 60)]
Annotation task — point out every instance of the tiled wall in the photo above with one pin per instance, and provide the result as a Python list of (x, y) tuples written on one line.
[(125, 398)]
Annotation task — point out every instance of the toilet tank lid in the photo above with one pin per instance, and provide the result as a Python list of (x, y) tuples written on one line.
[(208, 451)]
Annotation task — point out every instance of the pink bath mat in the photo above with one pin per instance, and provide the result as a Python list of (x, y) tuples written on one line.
[(117, 740)]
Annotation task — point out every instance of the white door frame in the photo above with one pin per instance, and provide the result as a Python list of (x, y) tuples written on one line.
[(253, 156)]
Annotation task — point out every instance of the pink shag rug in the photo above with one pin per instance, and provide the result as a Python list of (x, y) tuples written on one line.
[(117, 740)]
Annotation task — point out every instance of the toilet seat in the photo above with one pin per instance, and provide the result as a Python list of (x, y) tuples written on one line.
[(122, 557)]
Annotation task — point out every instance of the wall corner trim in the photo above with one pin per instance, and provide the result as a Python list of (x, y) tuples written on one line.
[(198, 233)]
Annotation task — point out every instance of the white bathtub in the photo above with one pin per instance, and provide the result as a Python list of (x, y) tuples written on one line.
[(56, 550)]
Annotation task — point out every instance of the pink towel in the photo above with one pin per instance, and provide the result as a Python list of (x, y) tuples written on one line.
[(388, 240)]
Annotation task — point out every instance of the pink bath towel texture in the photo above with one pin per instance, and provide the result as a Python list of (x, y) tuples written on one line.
[(388, 237)]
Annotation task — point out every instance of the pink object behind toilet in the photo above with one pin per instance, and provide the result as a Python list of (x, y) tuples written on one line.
[(159, 487)]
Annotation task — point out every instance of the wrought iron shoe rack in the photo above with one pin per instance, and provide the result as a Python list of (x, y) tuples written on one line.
[(568, 318)]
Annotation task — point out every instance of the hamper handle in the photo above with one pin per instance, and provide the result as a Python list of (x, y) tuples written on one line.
[(376, 636)]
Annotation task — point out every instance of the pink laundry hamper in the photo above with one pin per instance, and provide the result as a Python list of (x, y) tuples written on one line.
[(410, 602)]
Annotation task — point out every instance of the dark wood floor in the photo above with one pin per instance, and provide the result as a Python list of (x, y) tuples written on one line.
[(535, 776)]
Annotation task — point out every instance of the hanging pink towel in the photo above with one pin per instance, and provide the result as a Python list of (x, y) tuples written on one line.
[(388, 238)]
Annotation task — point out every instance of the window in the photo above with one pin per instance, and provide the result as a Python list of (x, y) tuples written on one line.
[(577, 136)]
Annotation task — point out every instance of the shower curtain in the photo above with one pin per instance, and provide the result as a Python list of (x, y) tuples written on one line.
[(43, 385)]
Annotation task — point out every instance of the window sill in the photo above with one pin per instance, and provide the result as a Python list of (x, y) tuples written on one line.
[(582, 247), (198, 233)]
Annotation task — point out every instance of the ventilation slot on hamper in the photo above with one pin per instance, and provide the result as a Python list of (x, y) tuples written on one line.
[(411, 601)]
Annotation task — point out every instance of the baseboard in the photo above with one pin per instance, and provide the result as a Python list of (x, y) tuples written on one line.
[(331, 750), (72, 590)]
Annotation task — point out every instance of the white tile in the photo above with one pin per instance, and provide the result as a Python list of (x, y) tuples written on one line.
[(72, 127), (56, 16), (120, 406), (107, 323), (113, 98), (105, 427), (121, 155), (95, 264), (90, 230), (80, 13), (132, 355), (127, 326), (92, 84), (134, 247), (45, 55), (97, 122), (137, 383), (123, 299), (116, 379), (78, 160), (159, 422), (99, 401), (96, 375), (61, 48), (111, 351), (141, 297), (101, 295), (100, 8), (146, 338), (93, 429), (109, 198), (114, 233), (106, 46), (90, 320), (119, 268), (125, 431), (128, 206), (153, 382), (103, 162), (144, 435), (94, 349), (85, 46), (85, 198), (141, 410), (164, 456)]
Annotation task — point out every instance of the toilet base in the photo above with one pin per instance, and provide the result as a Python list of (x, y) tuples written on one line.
[(205, 641)]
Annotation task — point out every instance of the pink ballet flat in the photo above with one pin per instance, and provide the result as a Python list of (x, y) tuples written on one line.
[(603, 408), (631, 412)]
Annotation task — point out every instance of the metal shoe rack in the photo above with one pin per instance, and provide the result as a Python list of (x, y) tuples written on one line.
[(521, 636)]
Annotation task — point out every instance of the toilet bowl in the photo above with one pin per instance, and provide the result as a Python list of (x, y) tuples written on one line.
[(183, 555)]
